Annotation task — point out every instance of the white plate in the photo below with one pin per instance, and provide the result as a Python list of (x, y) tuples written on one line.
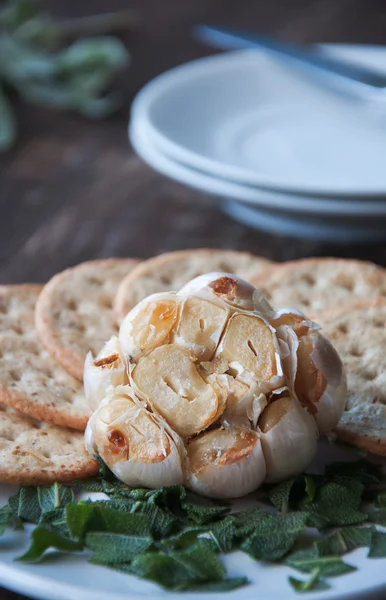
[(247, 118), (323, 219), (72, 578), (145, 144)]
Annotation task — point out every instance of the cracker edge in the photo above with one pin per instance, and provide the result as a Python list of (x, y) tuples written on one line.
[(292, 265), (71, 361), (121, 306), (368, 443)]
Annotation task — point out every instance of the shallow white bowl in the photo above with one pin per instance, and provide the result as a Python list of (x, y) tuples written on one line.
[(298, 216), (245, 117)]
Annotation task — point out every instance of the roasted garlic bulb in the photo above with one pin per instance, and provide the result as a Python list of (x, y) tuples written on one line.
[(213, 388)]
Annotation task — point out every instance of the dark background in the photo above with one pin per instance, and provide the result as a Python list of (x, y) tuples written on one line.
[(72, 189)]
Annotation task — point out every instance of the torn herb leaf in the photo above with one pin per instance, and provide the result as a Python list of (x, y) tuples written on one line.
[(344, 540), (274, 536), (377, 545), (82, 518), (180, 569), (161, 521), (361, 471), (336, 504), (225, 585), (8, 519), (224, 533), (43, 539), (307, 561), (54, 496), (314, 583), (116, 548), (25, 504)]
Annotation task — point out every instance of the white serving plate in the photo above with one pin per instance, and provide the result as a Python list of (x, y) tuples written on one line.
[(299, 216), (72, 578), (247, 118)]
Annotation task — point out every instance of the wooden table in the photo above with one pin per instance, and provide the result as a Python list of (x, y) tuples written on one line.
[(72, 189)]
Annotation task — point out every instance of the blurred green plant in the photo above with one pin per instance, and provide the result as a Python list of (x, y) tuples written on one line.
[(37, 62)]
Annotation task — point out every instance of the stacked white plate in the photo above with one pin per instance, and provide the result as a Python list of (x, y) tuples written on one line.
[(282, 153)]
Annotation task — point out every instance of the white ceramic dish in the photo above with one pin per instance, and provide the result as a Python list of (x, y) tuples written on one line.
[(247, 118), (72, 578), (326, 219)]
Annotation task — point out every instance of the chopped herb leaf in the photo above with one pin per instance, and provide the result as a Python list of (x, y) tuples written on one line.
[(8, 519), (344, 540), (377, 545), (225, 585), (362, 471), (381, 499), (161, 521), (25, 504), (336, 504), (54, 496), (307, 561), (180, 569), (82, 518), (313, 583), (116, 548), (223, 533), (184, 538), (43, 539), (377, 516), (274, 536)]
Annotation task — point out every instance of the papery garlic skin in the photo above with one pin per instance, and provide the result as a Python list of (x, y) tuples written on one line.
[(329, 406), (289, 438), (225, 463), (230, 289), (103, 372), (138, 447)]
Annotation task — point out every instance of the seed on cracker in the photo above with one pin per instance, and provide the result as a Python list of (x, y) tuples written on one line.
[(74, 312), (36, 453), (171, 271), (315, 285), (358, 332), (30, 380)]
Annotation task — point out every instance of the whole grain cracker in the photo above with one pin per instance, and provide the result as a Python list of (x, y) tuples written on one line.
[(74, 311), (30, 380), (358, 332), (172, 270), (314, 285), (36, 453)]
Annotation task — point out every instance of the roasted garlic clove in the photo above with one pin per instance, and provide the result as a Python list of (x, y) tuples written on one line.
[(321, 383), (225, 463), (168, 379), (200, 326), (148, 325), (136, 445), (250, 347), (288, 436), (103, 372)]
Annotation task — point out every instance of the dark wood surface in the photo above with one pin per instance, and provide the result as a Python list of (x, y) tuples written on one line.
[(72, 189)]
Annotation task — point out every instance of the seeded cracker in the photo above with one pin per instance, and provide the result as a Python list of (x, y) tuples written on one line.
[(171, 271), (74, 311), (30, 380), (358, 332), (36, 453), (315, 285)]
